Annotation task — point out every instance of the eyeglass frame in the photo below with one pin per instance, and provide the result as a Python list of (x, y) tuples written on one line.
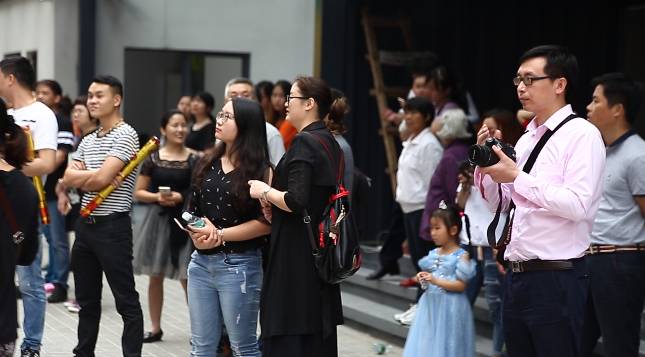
[(530, 79), (289, 97), (222, 117)]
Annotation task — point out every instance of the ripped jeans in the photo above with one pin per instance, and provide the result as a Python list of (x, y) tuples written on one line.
[(224, 288)]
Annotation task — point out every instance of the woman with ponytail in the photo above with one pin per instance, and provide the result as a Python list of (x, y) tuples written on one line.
[(18, 210), (299, 311)]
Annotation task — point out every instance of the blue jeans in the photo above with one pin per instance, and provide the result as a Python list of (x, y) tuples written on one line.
[(224, 287), (31, 285), (488, 276), (58, 270)]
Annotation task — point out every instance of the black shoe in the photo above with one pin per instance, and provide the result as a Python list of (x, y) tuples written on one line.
[(28, 352), (58, 295), (392, 270), (152, 337)]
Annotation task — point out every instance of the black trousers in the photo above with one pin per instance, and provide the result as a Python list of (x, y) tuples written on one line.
[(391, 250), (419, 247), (106, 247), (615, 303), (543, 311)]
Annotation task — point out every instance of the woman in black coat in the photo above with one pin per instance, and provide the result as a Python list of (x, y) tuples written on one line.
[(298, 311)]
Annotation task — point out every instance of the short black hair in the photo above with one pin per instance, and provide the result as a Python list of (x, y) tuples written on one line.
[(21, 68), (619, 88), (52, 84), (115, 84), (559, 63), (420, 105)]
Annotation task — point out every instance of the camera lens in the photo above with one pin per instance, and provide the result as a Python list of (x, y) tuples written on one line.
[(479, 155)]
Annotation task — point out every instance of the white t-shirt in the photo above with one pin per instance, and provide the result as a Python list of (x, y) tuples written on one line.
[(480, 216), (41, 121), (419, 158)]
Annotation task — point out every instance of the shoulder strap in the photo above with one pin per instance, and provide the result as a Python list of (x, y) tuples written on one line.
[(16, 234), (492, 227), (341, 161)]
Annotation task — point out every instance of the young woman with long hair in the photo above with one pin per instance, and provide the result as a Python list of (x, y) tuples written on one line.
[(225, 272)]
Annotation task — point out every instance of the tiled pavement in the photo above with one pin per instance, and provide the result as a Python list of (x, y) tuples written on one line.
[(60, 329)]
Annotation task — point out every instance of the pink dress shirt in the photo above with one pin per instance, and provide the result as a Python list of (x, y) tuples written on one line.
[(557, 202)]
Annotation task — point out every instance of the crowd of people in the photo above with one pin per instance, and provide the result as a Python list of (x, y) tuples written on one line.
[(565, 266)]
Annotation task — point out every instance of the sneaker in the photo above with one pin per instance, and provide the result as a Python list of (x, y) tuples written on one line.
[(28, 352), (406, 317), (58, 295)]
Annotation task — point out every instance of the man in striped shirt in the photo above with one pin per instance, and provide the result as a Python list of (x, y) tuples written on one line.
[(104, 240)]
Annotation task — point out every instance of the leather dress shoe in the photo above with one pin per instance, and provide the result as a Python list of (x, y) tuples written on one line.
[(408, 283), (392, 270)]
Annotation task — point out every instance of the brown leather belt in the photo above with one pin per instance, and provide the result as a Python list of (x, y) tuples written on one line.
[(539, 265), (608, 248)]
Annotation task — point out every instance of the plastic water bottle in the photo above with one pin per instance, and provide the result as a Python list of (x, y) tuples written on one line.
[(381, 348), (193, 221)]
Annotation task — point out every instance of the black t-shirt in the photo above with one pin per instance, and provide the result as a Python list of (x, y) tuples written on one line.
[(66, 143), (201, 139), (217, 201), (23, 200)]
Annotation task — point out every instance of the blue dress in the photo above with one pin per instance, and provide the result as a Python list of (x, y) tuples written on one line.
[(443, 325)]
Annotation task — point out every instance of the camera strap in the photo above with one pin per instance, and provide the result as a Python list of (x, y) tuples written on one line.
[(506, 233)]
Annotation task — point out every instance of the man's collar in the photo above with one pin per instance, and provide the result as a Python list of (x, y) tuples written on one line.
[(554, 120)]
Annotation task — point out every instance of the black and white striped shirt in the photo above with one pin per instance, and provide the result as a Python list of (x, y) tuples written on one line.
[(121, 142)]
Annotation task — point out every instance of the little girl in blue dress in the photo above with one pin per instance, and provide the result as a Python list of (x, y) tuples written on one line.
[(443, 326)]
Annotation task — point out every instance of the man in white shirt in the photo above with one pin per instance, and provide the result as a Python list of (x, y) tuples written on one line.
[(17, 82), (243, 87)]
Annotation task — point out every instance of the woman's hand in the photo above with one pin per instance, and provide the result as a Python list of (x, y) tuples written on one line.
[(169, 199), (257, 188), (206, 237), (266, 209)]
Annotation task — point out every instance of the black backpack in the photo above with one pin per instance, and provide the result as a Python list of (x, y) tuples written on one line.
[(336, 250)]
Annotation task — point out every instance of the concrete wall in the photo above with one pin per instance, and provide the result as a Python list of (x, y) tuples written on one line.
[(279, 34), (48, 27), (28, 25)]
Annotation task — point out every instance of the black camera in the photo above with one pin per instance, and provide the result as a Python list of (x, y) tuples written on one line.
[(484, 156)]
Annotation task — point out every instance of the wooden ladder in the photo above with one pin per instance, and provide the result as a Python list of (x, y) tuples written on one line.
[(380, 90)]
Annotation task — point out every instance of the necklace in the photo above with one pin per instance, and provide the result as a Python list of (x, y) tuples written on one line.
[(103, 132)]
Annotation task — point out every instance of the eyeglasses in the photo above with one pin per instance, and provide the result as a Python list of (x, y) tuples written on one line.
[(528, 80), (223, 117), (289, 97)]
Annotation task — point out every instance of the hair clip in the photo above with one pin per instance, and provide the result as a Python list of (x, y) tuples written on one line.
[(443, 205)]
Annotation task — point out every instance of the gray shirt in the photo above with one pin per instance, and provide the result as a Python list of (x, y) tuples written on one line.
[(348, 177), (619, 220)]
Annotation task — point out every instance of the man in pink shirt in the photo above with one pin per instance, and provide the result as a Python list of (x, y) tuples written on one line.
[(546, 286)]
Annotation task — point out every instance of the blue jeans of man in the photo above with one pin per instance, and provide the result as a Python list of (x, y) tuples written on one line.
[(543, 311), (487, 275), (224, 287), (615, 303), (34, 300), (56, 234)]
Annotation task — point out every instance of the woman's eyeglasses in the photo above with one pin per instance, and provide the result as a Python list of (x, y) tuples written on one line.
[(289, 97), (223, 117)]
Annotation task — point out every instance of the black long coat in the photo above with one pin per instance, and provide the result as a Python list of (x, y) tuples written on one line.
[(295, 301)]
